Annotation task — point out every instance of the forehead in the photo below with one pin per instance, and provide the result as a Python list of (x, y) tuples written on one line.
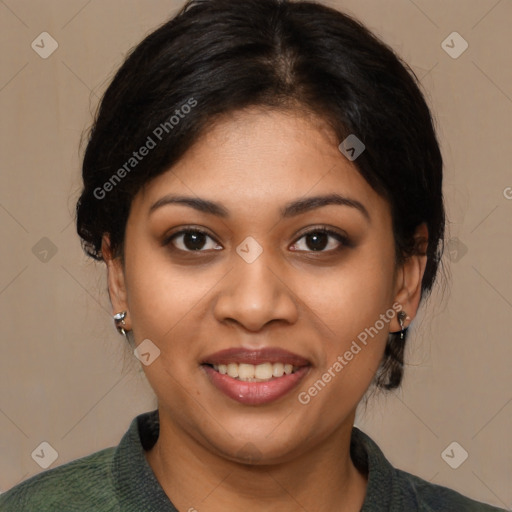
[(256, 157)]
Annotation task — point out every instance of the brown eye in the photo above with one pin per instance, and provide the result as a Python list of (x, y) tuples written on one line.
[(190, 240), (318, 240)]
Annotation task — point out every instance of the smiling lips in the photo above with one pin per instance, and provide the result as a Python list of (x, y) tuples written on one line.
[(255, 377)]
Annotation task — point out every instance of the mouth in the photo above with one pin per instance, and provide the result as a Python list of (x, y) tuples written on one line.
[(255, 373), (255, 377)]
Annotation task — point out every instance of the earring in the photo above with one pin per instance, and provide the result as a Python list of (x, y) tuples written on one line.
[(119, 321), (402, 315)]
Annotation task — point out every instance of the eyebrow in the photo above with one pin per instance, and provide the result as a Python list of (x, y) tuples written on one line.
[(290, 210)]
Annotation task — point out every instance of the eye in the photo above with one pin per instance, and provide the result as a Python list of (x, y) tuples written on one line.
[(320, 239), (189, 240), (317, 240)]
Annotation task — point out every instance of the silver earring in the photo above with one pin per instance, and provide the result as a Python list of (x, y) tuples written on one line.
[(402, 315), (119, 322)]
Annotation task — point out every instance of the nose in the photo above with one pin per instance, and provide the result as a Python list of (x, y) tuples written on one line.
[(255, 294)]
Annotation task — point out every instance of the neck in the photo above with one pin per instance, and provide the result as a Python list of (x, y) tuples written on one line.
[(194, 477)]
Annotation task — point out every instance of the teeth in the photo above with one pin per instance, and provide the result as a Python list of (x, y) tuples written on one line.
[(263, 371), (278, 369), (255, 373), (246, 371), (233, 370)]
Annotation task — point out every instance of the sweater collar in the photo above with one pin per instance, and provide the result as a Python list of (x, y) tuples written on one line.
[(381, 490), (136, 483)]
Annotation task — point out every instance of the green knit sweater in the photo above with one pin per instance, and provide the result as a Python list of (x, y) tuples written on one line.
[(119, 479)]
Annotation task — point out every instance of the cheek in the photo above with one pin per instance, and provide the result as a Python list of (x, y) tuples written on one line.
[(351, 349), (158, 295), (167, 302), (160, 300), (351, 297), (350, 304)]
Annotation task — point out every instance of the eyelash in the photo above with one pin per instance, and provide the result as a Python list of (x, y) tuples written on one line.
[(344, 241)]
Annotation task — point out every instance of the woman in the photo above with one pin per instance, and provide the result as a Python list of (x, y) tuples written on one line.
[(264, 184)]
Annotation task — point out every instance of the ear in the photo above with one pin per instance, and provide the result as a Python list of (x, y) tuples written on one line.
[(115, 279), (409, 277)]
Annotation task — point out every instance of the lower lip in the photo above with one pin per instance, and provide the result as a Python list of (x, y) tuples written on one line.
[(255, 393)]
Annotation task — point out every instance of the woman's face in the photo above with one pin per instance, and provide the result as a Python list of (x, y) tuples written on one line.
[(258, 290)]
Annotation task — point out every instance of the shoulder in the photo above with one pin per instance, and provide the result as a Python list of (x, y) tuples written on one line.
[(87, 480), (429, 497), (390, 488)]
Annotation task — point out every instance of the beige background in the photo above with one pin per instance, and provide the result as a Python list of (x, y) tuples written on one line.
[(65, 375)]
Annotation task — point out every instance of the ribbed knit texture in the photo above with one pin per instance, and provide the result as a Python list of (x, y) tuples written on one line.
[(119, 479)]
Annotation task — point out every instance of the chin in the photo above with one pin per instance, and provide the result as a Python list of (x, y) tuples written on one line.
[(263, 442)]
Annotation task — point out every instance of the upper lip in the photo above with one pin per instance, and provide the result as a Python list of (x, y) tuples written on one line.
[(255, 357)]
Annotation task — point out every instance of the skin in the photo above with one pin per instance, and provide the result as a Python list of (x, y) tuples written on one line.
[(313, 303)]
